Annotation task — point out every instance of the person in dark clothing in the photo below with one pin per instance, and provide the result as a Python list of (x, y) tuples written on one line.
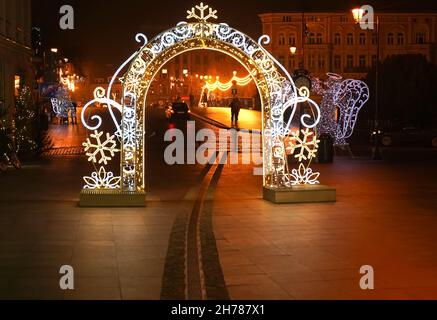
[(192, 101), (235, 110), (73, 112)]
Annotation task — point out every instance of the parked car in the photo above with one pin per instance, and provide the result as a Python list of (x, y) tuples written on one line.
[(177, 111), (410, 136)]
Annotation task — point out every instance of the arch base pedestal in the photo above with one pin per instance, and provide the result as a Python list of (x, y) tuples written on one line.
[(300, 194), (111, 199)]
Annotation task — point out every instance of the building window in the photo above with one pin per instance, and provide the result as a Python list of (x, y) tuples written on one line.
[(350, 62), (420, 37), (319, 38), (312, 38), (286, 19), (291, 63), (374, 60), (390, 39), (337, 39), (362, 61), (311, 61), (350, 39), (362, 39), (321, 62), (281, 40), (374, 38), (281, 60), (337, 62), (291, 40), (401, 39)]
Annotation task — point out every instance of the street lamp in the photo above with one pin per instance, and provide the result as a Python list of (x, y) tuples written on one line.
[(358, 14), (293, 50), (54, 50)]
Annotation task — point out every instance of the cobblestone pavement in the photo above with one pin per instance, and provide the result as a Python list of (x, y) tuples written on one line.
[(385, 217)]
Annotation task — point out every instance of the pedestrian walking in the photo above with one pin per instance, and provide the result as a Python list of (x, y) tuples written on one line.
[(73, 113), (235, 110)]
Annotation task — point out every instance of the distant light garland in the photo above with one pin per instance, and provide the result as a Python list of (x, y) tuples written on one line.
[(218, 85)]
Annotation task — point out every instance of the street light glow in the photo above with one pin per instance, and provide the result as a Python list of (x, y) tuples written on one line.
[(358, 14)]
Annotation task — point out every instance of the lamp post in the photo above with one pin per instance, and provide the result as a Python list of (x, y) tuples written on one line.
[(358, 14)]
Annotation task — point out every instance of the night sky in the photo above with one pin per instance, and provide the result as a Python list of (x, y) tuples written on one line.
[(105, 30)]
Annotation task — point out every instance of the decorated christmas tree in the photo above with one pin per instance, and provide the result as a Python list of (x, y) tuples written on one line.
[(25, 122)]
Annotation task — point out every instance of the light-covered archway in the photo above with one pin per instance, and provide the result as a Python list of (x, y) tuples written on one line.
[(276, 87)]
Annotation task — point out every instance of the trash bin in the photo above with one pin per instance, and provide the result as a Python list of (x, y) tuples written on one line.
[(326, 149)]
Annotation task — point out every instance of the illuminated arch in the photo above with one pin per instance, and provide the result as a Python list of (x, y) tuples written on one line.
[(275, 85)]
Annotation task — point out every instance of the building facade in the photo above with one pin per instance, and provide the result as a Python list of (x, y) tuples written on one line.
[(333, 42), (15, 50)]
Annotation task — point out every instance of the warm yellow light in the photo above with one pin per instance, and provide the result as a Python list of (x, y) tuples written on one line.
[(185, 71), (17, 82), (358, 14), (54, 50), (164, 71), (293, 50)]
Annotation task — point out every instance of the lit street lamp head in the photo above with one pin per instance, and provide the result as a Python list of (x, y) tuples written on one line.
[(358, 14)]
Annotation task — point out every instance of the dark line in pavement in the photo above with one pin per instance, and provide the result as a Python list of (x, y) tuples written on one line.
[(214, 279), (174, 278)]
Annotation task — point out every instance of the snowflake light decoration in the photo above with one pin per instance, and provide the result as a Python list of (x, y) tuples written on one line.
[(100, 148), (102, 180), (202, 16), (303, 176), (307, 145)]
